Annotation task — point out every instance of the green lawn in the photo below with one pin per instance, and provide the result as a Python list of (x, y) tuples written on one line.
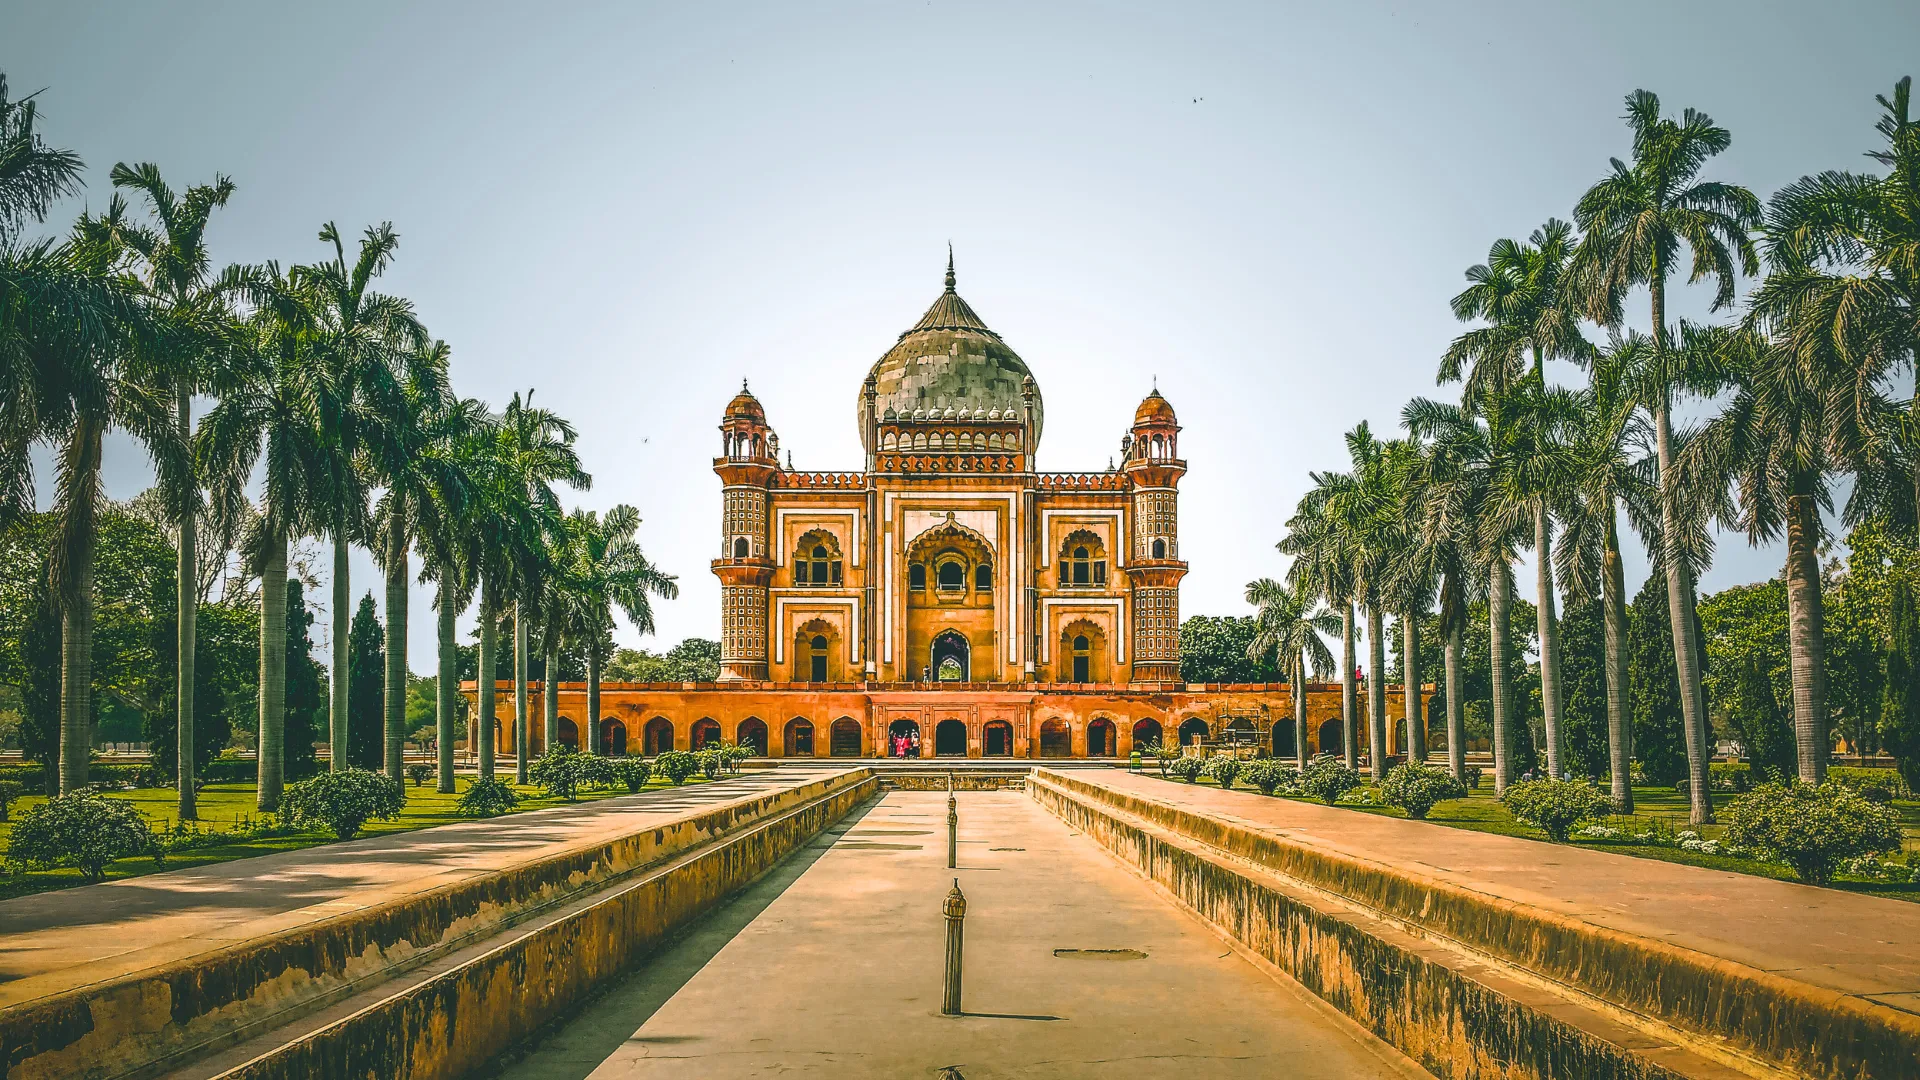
[(223, 805), (1655, 808)]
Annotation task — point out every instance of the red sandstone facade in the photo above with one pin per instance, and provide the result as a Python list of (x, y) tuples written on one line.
[(948, 588)]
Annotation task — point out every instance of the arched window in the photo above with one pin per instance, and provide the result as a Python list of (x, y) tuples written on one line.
[(1159, 549), (953, 575), (817, 671), (1082, 659), (983, 577), (740, 547), (917, 577), (1083, 564), (816, 563)]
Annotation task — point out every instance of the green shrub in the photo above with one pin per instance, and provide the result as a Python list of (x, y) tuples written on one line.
[(676, 766), (1270, 775), (1555, 806), (1417, 788), (1223, 769), (1327, 778), (419, 774), (343, 801), (9, 791), (631, 771), (1811, 828), (1188, 768), (559, 771), (710, 760), (1164, 755), (82, 830), (1470, 776), (1856, 777), (596, 771), (488, 798)]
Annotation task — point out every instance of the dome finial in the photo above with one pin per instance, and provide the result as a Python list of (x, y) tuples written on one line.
[(743, 384), (949, 266)]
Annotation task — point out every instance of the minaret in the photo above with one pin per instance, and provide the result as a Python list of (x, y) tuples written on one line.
[(1154, 567), (747, 466)]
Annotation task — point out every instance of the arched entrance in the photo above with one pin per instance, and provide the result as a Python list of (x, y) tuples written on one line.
[(1283, 740), (799, 738), (950, 738), (706, 732), (569, 733), (1102, 741), (997, 739), (1330, 741), (1056, 739), (843, 738), (901, 737), (1193, 729), (658, 736), (613, 738), (950, 655), (1146, 734), (752, 732)]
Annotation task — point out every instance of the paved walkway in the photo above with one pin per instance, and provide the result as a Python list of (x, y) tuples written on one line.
[(54, 941), (831, 966), (1862, 945)]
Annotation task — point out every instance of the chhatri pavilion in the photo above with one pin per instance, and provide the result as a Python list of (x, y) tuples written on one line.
[(948, 589)]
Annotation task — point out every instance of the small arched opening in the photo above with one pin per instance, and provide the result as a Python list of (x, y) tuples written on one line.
[(903, 739), (753, 732), (1102, 740), (1056, 739), (1159, 549), (613, 738), (949, 656), (799, 737), (705, 733), (843, 738), (950, 738), (1330, 737), (997, 739), (1283, 746), (1146, 734), (569, 733), (741, 549), (1193, 730), (658, 736)]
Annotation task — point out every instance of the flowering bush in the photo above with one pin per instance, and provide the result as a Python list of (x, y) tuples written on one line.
[(1812, 828), (1188, 768), (1223, 769), (1270, 775), (488, 798), (1598, 832), (81, 830), (676, 765), (1555, 806), (343, 801), (1417, 788), (1327, 778)]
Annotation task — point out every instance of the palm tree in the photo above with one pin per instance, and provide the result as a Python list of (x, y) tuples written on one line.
[(1321, 572), (1288, 629), (1635, 222), (448, 551), (1452, 485), (362, 340), (1411, 576), (1610, 457), (266, 414), (406, 449), (561, 619), (609, 571), (192, 322), (1363, 507)]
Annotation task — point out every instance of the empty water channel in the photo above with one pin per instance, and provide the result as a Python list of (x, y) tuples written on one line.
[(830, 965)]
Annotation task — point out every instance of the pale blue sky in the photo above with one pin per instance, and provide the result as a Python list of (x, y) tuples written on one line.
[(633, 207)]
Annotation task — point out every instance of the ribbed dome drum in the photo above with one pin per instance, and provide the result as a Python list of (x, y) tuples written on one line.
[(949, 360)]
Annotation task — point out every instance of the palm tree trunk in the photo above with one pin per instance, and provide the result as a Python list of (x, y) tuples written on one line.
[(446, 676), (1619, 722), (187, 616), (1349, 696), (1376, 694), (1686, 643), (1549, 623), (1456, 713), (519, 694), (591, 737), (550, 691), (485, 706), (396, 687), (342, 629), (79, 537), (1499, 652), (271, 749), (1807, 644), (1300, 709), (1410, 689)]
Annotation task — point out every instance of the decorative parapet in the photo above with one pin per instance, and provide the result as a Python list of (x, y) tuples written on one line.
[(1078, 481), (948, 462), (838, 481)]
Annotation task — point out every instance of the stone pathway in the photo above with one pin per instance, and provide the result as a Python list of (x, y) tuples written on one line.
[(831, 966), (59, 940), (1862, 945)]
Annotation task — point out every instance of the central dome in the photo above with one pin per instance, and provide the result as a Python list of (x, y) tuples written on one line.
[(948, 360)]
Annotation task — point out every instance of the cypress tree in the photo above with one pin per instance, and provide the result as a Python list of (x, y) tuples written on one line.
[(366, 688)]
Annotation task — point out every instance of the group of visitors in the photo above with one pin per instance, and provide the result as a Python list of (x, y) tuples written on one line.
[(906, 743)]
